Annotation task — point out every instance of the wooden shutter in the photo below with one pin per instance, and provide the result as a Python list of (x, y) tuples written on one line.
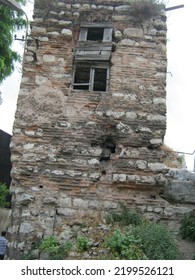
[(107, 34), (83, 34)]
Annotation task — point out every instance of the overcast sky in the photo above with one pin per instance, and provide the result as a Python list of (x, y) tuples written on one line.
[(180, 134)]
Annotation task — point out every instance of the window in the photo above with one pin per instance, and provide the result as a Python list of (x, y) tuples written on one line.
[(92, 56), (90, 78), (94, 31), (95, 34)]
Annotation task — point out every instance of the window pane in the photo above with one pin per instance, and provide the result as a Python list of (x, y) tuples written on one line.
[(82, 76), (100, 80), (82, 87), (95, 34)]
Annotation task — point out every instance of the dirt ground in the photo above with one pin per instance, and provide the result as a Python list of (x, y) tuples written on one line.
[(187, 249)]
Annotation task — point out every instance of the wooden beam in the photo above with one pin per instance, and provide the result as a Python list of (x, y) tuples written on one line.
[(174, 8), (96, 24)]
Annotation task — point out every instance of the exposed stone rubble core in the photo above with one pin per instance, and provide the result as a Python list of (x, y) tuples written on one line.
[(76, 154)]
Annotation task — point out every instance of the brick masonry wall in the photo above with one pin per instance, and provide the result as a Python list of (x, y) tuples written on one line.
[(60, 134)]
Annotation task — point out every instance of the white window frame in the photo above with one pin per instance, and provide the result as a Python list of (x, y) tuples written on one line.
[(92, 77)]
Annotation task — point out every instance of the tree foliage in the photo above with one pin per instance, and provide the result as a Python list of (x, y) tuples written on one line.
[(10, 21), (4, 194)]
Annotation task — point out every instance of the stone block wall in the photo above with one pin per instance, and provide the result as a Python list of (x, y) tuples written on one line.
[(77, 154)]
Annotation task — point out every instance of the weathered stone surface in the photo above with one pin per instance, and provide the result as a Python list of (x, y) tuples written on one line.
[(133, 32), (67, 33), (122, 8), (181, 188), (26, 228)]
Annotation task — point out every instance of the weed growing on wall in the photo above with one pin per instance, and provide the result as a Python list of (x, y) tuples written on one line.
[(147, 241), (187, 228), (146, 9), (45, 6), (157, 241), (137, 238), (125, 246), (124, 218), (82, 243), (55, 250)]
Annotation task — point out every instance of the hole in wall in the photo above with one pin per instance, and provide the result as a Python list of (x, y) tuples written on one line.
[(151, 147), (108, 148), (94, 144), (103, 172), (40, 187), (152, 196)]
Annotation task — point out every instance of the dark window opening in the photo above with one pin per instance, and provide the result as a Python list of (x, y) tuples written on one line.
[(95, 34), (100, 79), (109, 147), (88, 78), (81, 78)]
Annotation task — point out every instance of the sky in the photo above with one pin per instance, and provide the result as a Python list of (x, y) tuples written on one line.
[(180, 133)]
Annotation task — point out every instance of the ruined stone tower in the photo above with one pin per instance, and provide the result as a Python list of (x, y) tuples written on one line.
[(90, 119)]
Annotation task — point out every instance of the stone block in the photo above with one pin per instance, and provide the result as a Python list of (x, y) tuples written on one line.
[(93, 161), (133, 32), (127, 42), (38, 30), (94, 176), (122, 8), (50, 200), (160, 167), (40, 80), (122, 177), (65, 202), (67, 212), (49, 58), (109, 205), (141, 164), (94, 204), (80, 203), (26, 228), (67, 33)]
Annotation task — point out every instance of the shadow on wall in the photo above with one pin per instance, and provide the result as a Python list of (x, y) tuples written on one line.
[(4, 218), (5, 155)]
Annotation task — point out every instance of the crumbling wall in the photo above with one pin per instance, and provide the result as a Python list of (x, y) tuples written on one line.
[(76, 154)]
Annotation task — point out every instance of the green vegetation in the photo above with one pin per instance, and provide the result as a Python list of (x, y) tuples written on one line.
[(82, 243), (48, 244), (157, 241), (187, 228), (138, 238), (146, 9), (125, 246), (124, 218), (4, 195), (147, 241), (51, 246), (55, 250), (9, 23)]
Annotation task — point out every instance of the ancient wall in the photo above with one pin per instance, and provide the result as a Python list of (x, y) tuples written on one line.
[(78, 153)]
